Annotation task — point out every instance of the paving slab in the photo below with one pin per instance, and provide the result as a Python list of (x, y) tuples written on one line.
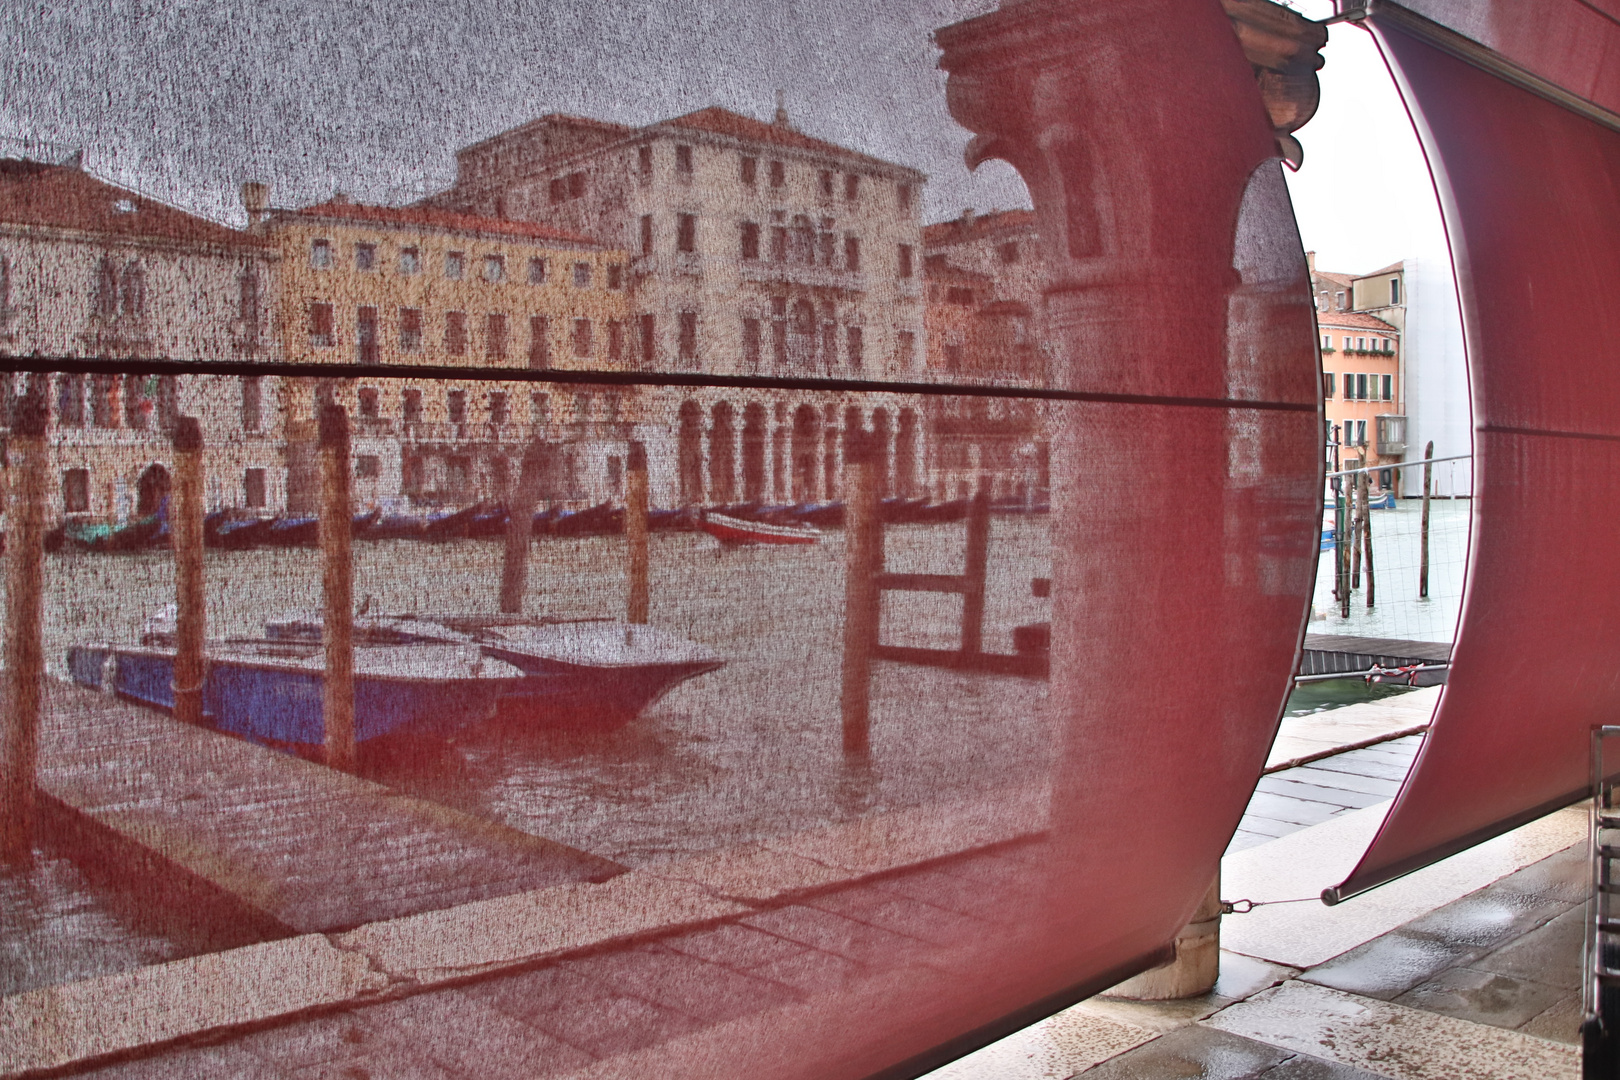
[(1483, 997), (1301, 865), (1300, 738), (1392, 1040)]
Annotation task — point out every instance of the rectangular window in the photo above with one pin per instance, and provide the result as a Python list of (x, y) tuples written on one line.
[(539, 408), (779, 343), (683, 158), (582, 337), (576, 185), (455, 333), (826, 182), (649, 339), (778, 174), (320, 325), (366, 334), (1389, 388), (495, 336), (557, 190), (1327, 385), (852, 253), (1361, 433), (410, 329), (369, 400), (644, 160), (499, 411), (1394, 290), (410, 406), (253, 489), (1327, 342), (70, 400), (852, 187), (856, 349), (908, 349), (410, 261), (615, 339), (829, 249), (686, 232), (751, 343), (455, 264), (367, 467), (646, 234), (539, 342), (494, 268), (582, 275), (1347, 340), (750, 170), (1361, 344), (953, 357), (76, 491), (829, 343), (903, 196), (1008, 252), (778, 243), (365, 256), (615, 276), (905, 260), (252, 404), (456, 405), (537, 271), (750, 240), (688, 344), (320, 254), (1361, 387)]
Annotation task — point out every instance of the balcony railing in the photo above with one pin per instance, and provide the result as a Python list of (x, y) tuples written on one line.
[(790, 273), (1391, 437)]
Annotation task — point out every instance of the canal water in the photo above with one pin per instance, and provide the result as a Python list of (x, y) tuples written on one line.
[(1399, 612), (748, 752)]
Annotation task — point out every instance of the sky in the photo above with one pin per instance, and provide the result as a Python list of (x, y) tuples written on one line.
[(185, 99)]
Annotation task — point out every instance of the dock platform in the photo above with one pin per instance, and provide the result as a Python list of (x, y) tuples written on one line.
[(306, 848), (1343, 654)]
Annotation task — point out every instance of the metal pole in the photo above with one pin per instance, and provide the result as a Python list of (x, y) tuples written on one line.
[(862, 563), (28, 455), (1423, 548), (635, 533), (186, 526), (337, 522), (520, 526)]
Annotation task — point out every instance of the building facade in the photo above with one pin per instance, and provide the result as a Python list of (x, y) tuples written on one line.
[(1361, 322), (756, 249), (393, 287), (986, 281), (91, 270)]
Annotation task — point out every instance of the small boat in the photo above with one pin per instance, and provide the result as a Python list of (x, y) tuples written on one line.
[(451, 524), (828, 515), (732, 531), (1386, 501), (304, 530), (582, 673), (271, 691), (684, 519), (602, 519), (490, 522), (237, 534)]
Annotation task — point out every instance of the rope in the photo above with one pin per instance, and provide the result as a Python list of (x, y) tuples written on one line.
[(1243, 907)]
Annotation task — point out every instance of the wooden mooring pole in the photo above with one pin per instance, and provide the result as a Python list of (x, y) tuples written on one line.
[(337, 549), (1423, 542), (520, 526), (1366, 536), (635, 534), (973, 573), (29, 459), (186, 528), (1341, 547), (863, 560), (1358, 511)]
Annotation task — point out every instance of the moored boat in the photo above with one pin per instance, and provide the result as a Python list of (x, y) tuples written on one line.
[(730, 530), (272, 691), (580, 673)]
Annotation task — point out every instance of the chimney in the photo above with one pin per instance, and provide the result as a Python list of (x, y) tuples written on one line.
[(967, 218), (256, 201), (1310, 261), (781, 120), (340, 198)]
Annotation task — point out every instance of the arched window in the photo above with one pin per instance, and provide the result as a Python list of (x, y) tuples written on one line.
[(132, 291), (106, 291)]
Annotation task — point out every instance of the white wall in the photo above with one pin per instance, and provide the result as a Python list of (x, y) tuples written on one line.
[(1438, 403)]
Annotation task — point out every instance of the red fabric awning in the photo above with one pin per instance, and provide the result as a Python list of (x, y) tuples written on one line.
[(1528, 171)]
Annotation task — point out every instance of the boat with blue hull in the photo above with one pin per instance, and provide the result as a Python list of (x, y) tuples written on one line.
[(592, 674), (271, 691)]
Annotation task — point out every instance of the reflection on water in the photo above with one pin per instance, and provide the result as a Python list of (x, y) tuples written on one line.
[(1329, 694), (748, 752)]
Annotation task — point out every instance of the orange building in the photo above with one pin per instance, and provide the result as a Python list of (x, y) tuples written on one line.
[(1361, 391)]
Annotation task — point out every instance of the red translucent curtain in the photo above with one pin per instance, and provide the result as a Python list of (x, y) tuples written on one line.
[(1530, 190)]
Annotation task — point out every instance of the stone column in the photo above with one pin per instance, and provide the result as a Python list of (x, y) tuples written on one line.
[(1138, 128)]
